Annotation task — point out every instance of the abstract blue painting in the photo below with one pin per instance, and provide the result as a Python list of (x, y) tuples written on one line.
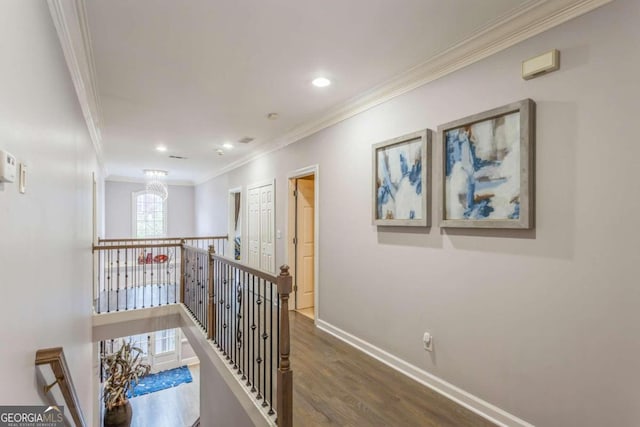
[(482, 169), (399, 181)]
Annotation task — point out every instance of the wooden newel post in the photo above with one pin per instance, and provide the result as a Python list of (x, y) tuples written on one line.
[(182, 268), (211, 311), (285, 375)]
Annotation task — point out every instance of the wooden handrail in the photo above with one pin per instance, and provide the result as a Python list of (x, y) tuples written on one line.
[(154, 245), (258, 273), (194, 249), (55, 358), (150, 239)]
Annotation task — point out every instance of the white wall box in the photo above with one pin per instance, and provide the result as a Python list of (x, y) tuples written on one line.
[(7, 167)]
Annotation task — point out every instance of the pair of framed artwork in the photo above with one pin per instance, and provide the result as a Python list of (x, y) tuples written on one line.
[(485, 176)]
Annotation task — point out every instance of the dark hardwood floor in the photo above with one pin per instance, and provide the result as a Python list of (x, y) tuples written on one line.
[(174, 407), (335, 384)]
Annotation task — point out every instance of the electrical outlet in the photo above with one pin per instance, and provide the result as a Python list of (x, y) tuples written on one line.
[(427, 341)]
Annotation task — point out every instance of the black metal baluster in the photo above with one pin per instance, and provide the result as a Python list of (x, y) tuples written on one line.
[(199, 257), (198, 288), (100, 266), (227, 311), (205, 298), (234, 336), (265, 335), (135, 271), (152, 277), (245, 335), (144, 274), (259, 359), (271, 411), (126, 279), (194, 296), (109, 282), (187, 292), (118, 280), (239, 321), (216, 298), (203, 290), (221, 308), (253, 335), (232, 316)]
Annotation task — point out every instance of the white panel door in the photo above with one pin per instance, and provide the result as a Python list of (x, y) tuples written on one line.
[(267, 232), (253, 227)]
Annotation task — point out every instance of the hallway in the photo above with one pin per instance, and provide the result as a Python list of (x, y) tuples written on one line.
[(335, 384)]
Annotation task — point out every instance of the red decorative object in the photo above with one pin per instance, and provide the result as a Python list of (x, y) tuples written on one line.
[(149, 259), (160, 258)]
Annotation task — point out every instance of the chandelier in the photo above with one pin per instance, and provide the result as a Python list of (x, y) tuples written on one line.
[(155, 183)]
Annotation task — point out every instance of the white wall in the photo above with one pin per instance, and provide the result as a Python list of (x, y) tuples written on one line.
[(46, 234), (212, 207), (542, 323), (180, 209)]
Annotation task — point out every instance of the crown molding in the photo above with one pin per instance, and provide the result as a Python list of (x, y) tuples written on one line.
[(522, 23), (71, 23)]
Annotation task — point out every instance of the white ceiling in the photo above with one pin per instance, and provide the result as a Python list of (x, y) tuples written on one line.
[(195, 74)]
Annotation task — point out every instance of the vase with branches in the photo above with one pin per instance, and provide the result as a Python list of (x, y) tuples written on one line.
[(123, 369)]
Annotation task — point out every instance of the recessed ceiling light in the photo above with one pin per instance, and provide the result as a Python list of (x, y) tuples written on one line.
[(228, 145), (273, 116), (321, 82), (161, 148), (220, 152)]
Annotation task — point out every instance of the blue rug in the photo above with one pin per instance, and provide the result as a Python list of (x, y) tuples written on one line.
[(161, 381)]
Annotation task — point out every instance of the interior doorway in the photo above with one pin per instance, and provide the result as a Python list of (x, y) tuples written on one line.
[(235, 224), (303, 242)]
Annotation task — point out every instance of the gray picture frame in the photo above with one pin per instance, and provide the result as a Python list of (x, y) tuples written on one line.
[(525, 220), (424, 138)]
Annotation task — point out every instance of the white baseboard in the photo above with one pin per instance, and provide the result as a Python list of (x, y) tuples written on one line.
[(190, 361), (463, 398)]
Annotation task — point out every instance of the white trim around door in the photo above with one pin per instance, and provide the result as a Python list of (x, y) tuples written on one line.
[(299, 173)]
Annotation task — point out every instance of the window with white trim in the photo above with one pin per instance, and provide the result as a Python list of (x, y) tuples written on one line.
[(165, 341), (149, 215)]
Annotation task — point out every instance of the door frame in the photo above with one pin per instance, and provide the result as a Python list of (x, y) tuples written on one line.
[(230, 211), (301, 173)]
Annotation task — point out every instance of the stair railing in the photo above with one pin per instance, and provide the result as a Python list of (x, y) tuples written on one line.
[(245, 312), (55, 358), (140, 273)]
